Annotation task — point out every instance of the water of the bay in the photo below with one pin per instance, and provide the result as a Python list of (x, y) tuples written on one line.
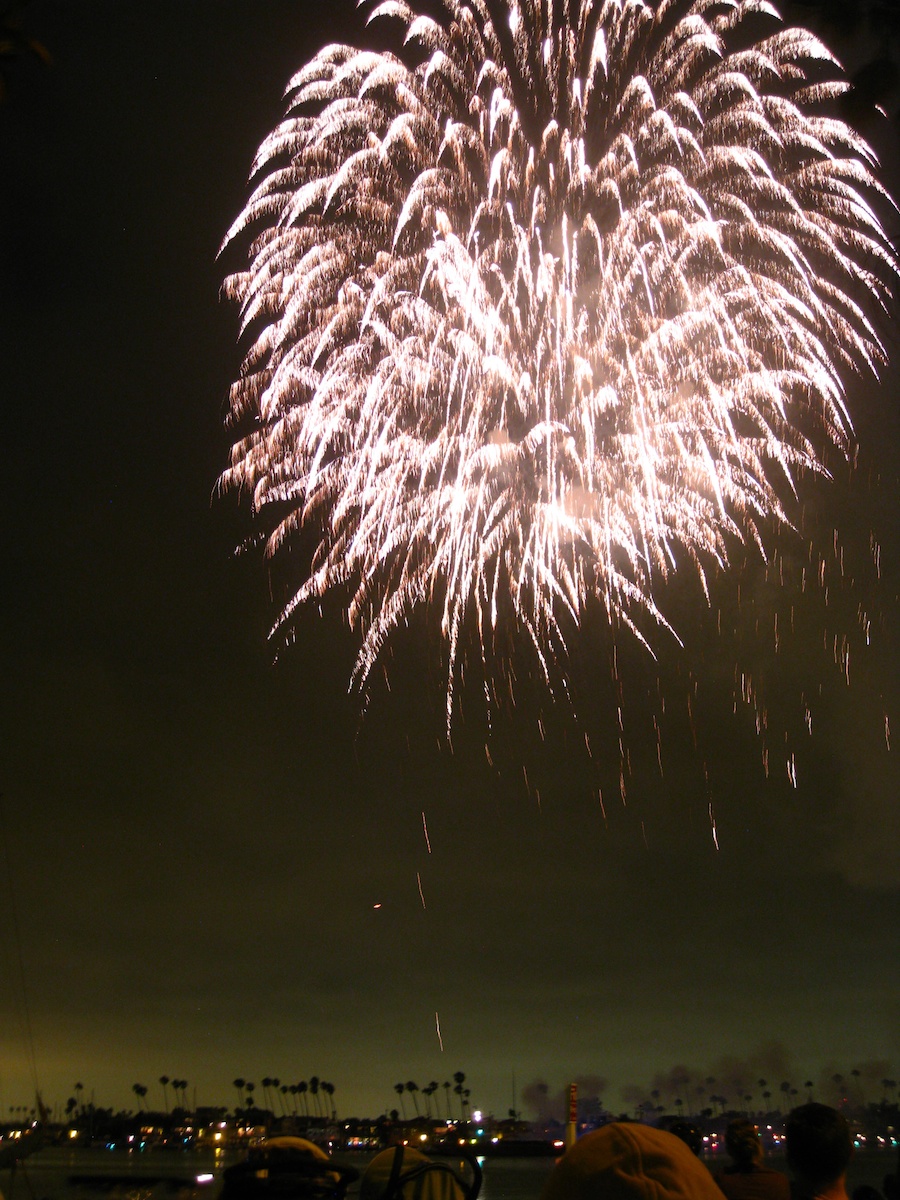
[(154, 1175)]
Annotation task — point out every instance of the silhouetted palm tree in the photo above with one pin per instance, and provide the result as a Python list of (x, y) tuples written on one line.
[(413, 1089), (238, 1085), (459, 1080), (140, 1091), (328, 1089), (164, 1080), (400, 1088), (303, 1090)]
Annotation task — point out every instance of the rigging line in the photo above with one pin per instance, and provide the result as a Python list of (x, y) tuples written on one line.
[(20, 995)]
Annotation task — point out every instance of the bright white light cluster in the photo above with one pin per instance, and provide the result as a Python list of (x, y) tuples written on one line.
[(551, 303)]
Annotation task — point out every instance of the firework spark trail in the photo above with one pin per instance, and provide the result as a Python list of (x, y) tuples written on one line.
[(425, 831), (557, 300)]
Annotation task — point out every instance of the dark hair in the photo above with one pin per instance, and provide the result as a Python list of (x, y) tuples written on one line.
[(819, 1146), (742, 1141), (689, 1134)]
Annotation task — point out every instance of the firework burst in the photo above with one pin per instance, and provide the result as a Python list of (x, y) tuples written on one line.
[(551, 303)]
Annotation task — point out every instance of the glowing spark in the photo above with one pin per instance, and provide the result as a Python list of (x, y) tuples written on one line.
[(537, 320), (421, 893), (425, 831), (376, 906), (437, 1026), (792, 770), (887, 731), (712, 825)]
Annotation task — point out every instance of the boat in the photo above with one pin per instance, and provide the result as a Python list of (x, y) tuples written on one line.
[(286, 1168)]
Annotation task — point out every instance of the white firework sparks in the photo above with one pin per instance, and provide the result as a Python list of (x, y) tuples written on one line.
[(551, 303)]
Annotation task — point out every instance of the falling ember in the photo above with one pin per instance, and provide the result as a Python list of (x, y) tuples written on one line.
[(425, 831), (887, 731), (792, 770), (437, 1026), (540, 317), (421, 893)]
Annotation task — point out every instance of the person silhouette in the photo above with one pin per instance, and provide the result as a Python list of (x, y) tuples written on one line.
[(747, 1177)]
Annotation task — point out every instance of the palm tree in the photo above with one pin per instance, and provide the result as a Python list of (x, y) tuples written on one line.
[(164, 1080), (400, 1088), (266, 1084), (459, 1079), (413, 1088), (303, 1090), (446, 1086), (328, 1089), (140, 1091), (78, 1089), (250, 1088), (314, 1090), (238, 1085)]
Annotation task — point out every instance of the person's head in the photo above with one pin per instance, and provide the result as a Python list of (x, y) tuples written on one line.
[(742, 1142), (818, 1145), (630, 1162), (689, 1134)]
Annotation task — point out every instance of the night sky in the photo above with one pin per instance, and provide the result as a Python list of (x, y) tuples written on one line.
[(214, 866)]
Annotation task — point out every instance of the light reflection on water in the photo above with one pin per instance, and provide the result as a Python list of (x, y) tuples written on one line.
[(158, 1175)]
